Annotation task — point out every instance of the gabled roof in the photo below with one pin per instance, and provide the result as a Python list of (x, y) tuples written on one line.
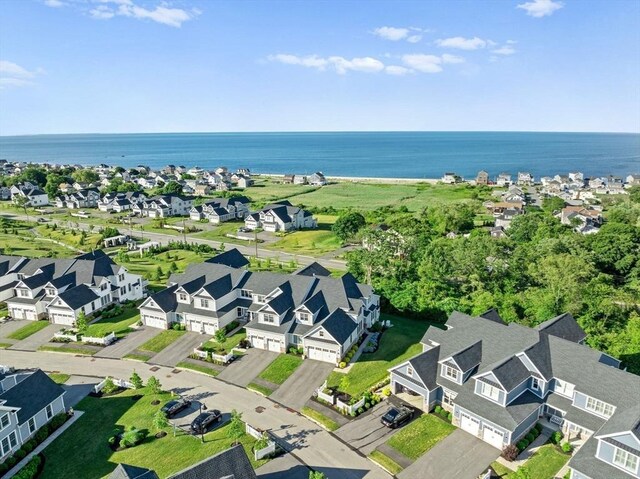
[(425, 366), (469, 357), (232, 463), (31, 395), (77, 297), (126, 471), (232, 258), (492, 314), (565, 327), (314, 269), (339, 325), (511, 373)]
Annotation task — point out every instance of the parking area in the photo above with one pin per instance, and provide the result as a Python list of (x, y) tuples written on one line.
[(179, 349), (129, 343), (299, 387), (246, 367)]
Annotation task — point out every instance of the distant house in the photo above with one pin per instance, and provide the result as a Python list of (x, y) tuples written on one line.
[(299, 180), (28, 401), (504, 220), (451, 178), (498, 232), (288, 179), (87, 198), (482, 178), (219, 210), (5, 193), (244, 182), (280, 216), (317, 179), (633, 180), (164, 206), (583, 220), (504, 179), (35, 196), (525, 179)]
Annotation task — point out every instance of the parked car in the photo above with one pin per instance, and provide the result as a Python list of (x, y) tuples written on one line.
[(174, 407), (397, 416), (201, 424)]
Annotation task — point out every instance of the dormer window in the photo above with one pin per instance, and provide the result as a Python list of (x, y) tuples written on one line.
[(625, 460), (535, 384), (182, 297), (245, 293), (304, 317), (51, 292), (489, 391), (599, 407), (268, 318), (204, 303), (451, 373), (259, 298)]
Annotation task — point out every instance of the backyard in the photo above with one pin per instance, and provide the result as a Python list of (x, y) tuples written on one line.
[(398, 344), (83, 450), (545, 463)]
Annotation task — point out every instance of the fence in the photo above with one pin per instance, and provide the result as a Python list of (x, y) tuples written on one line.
[(75, 337), (350, 408), (118, 382), (221, 358), (268, 450), (330, 398)]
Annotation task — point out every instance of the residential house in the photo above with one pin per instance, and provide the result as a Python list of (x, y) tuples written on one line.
[(62, 288), (482, 178), (504, 179), (288, 179), (119, 202), (498, 380), (244, 182), (220, 210), (317, 179), (504, 220), (28, 401), (164, 206), (498, 232), (87, 198), (310, 310), (5, 193), (202, 190), (451, 178), (35, 196), (299, 180), (633, 180), (280, 216), (583, 220), (525, 179)]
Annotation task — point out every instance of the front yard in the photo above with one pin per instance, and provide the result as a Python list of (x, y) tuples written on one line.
[(227, 345), (420, 435), (120, 324), (545, 463), (25, 331), (398, 344), (161, 341), (83, 450), (281, 368)]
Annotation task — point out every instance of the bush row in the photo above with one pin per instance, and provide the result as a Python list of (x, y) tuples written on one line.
[(443, 413)]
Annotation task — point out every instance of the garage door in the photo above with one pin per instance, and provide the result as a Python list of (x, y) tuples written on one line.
[(321, 354), (154, 322), (469, 424), (209, 328), (257, 342), (195, 326), (274, 345), (17, 313), (31, 315), (493, 437), (59, 318)]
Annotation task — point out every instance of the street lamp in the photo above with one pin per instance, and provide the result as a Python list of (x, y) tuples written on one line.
[(203, 407)]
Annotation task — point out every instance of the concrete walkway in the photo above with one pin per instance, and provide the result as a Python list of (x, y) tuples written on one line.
[(525, 455), (12, 472), (129, 343), (33, 342), (355, 356), (179, 349)]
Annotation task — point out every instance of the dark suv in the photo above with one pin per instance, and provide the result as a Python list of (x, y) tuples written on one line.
[(201, 424), (397, 416), (174, 407)]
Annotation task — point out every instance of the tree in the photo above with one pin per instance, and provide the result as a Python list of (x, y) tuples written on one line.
[(220, 335), (85, 176), (173, 187), (35, 175), (347, 225), (173, 267), (236, 427), (552, 204), (159, 273), (81, 322), (160, 420), (136, 380), (154, 385), (21, 201), (522, 473), (54, 180)]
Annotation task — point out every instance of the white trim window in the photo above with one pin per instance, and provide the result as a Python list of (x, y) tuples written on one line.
[(409, 371), (489, 391), (535, 384), (4, 421), (564, 388), (32, 425), (625, 460), (49, 411), (599, 407), (268, 318), (204, 303), (182, 297), (450, 373)]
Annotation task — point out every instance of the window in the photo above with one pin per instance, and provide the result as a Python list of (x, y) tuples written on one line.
[(489, 391), (204, 303), (625, 460), (448, 397), (321, 333), (599, 407), (245, 293), (51, 292), (12, 440), (32, 425), (304, 317), (239, 312), (103, 287), (268, 318), (121, 277), (129, 286), (409, 371), (564, 388), (5, 446), (535, 384), (49, 411), (182, 297), (259, 298), (123, 290), (449, 372), (23, 292), (4, 421)]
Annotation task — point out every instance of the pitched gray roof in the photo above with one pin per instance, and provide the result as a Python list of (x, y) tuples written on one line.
[(77, 297), (565, 327), (314, 269), (232, 258), (126, 471), (511, 373), (469, 357), (32, 395), (339, 325), (232, 463), (492, 314), (425, 366)]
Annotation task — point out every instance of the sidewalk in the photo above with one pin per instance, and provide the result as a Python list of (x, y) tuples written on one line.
[(12, 472), (525, 455)]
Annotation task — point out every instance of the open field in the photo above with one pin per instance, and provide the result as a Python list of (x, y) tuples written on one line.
[(313, 242), (266, 190)]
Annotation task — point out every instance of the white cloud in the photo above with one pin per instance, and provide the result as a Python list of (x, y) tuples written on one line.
[(505, 50), (423, 63), (54, 3), (414, 38), (462, 43), (446, 58), (102, 12), (397, 70), (540, 8), (14, 75), (391, 33), (174, 17), (312, 61)]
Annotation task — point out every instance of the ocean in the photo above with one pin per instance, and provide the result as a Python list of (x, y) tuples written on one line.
[(363, 154)]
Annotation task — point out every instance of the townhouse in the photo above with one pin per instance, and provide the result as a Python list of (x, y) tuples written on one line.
[(499, 379), (28, 401), (308, 309), (85, 198), (280, 216), (164, 206), (60, 289), (219, 210), (120, 202), (35, 196)]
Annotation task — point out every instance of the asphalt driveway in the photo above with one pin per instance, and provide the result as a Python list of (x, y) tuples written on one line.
[(179, 349), (8, 327), (246, 367), (367, 432), (129, 343), (77, 388), (459, 455), (299, 387), (33, 342)]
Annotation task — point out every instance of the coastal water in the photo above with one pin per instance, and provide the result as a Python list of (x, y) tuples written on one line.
[(365, 154)]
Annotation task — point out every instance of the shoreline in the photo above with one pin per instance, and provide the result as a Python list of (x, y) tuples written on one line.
[(364, 179)]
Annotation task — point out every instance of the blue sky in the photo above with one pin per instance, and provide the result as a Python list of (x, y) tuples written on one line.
[(82, 66)]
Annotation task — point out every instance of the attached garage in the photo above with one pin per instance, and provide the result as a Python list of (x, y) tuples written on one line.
[(209, 328), (195, 326), (322, 354), (257, 342), (493, 436), (17, 313), (62, 318), (469, 424), (154, 321), (274, 345)]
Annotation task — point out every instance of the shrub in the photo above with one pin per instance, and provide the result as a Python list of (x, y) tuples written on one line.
[(30, 445), (11, 461), (136, 380), (112, 440), (293, 350), (109, 387), (31, 469), (57, 421), (450, 417), (42, 434), (360, 410), (132, 437), (342, 365), (556, 437), (510, 452), (3, 468), (521, 446), (386, 391), (526, 442), (438, 409), (529, 437), (566, 447), (367, 405), (20, 454), (535, 432), (538, 427), (301, 351)]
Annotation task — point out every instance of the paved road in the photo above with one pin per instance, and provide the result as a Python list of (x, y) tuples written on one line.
[(33, 342), (244, 369), (127, 344), (459, 455), (309, 443), (299, 387), (285, 466), (367, 432), (179, 349), (244, 249)]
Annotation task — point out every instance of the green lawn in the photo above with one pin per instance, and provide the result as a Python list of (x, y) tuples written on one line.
[(220, 231), (148, 266), (59, 378), (545, 463), (5, 345), (315, 242), (420, 435), (26, 331), (161, 341), (267, 190), (138, 357), (398, 344), (259, 388), (69, 350), (281, 368), (90, 433), (327, 423), (389, 464), (119, 324), (25, 244), (229, 343), (71, 237), (197, 367)]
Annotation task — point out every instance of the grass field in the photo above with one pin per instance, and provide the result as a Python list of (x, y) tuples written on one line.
[(5, 345), (59, 378), (70, 237), (90, 433), (267, 190), (26, 331), (386, 462), (398, 344), (545, 463), (198, 368), (328, 424), (161, 341), (313, 242), (220, 231), (147, 266), (420, 435), (229, 343), (120, 324), (281, 368)]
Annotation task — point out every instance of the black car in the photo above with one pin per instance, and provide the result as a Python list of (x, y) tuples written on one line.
[(397, 416), (201, 424), (174, 407)]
